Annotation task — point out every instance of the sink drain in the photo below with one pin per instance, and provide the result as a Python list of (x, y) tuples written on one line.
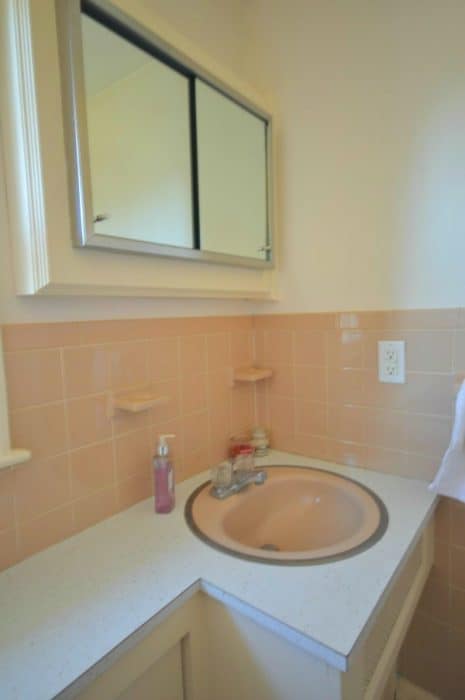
[(270, 547)]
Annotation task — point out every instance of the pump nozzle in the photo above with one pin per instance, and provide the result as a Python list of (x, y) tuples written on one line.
[(163, 447)]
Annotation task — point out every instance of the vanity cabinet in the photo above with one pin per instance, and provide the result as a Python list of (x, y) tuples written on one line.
[(206, 650)]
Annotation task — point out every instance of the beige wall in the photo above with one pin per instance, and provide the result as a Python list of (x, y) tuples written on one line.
[(371, 99)]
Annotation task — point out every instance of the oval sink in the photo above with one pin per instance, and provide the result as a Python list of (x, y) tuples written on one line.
[(300, 515)]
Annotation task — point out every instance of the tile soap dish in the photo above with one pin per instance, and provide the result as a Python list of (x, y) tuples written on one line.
[(252, 374), (135, 401)]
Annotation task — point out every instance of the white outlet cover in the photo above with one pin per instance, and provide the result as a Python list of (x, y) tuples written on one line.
[(391, 361)]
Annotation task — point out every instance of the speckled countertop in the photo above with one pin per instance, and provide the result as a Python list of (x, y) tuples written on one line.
[(62, 610)]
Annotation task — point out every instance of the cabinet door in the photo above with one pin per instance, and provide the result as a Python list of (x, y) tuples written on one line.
[(162, 681), (232, 176)]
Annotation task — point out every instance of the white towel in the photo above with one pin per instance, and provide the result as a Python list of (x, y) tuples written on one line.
[(450, 479)]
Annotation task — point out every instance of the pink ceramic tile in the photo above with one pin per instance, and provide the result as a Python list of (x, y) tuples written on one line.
[(85, 371), (7, 499), (282, 383), (163, 359), (314, 322), (218, 351), (42, 486), (426, 319), (381, 395), (391, 461), (346, 386), (243, 409), (35, 535), (241, 349), (345, 349), (262, 405), (364, 319), (311, 418), (279, 348), (347, 423), (428, 435), (41, 429), (88, 420), (194, 392), (218, 451), (282, 418), (259, 348), (133, 490), (196, 443), (429, 351), (311, 383), (311, 446), (134, 453), (8, 550), (115, 331), (92, 469), (311, 348), (220, 404), (29, 336), (170, 409), (94, 508), (274, 322), (128, 364), (193, 354), (385, 428), (431, 393), (33, 377), (421, 466)]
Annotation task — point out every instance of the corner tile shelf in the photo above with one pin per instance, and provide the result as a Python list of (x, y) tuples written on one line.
[(135, 401), (14, 457), (252, 374)]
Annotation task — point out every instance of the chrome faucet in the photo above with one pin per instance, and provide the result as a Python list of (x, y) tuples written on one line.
[(236, 481)]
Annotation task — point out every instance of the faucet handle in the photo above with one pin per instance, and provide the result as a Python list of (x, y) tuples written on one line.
[(222, 475)]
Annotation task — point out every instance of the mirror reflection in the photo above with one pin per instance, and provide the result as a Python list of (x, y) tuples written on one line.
[(137, 111), (232, 176)]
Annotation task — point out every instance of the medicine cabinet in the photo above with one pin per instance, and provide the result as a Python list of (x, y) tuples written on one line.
[(131, 158), (163, 159)]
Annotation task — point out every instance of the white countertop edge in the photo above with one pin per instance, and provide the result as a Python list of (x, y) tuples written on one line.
[(83, 681), (272, 624)]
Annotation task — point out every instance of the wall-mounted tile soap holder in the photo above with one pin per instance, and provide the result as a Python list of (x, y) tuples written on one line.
[(134, 401), (251, 374)]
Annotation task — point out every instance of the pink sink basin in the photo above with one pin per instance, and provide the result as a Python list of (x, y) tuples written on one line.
[(298, 516)]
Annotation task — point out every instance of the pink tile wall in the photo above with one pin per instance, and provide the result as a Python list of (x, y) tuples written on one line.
[(324, 400), (87, 466)]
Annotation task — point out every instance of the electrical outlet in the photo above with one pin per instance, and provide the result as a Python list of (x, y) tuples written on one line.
[(391, 361)]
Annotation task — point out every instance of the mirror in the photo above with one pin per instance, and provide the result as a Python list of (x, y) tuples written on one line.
[(164, 160), (137, 112), (232, 176)]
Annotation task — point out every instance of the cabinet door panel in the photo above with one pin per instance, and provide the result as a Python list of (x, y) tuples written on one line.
[(231, 144), (162, 681)]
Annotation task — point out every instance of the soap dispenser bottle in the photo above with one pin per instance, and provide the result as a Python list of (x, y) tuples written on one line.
[(163, 477)]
